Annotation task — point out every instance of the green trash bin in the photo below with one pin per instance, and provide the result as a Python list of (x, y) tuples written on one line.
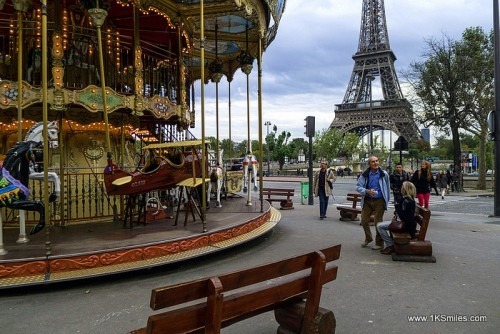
[(304, 191)]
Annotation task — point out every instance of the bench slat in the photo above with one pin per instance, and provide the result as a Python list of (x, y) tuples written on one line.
[(237, 305), (190, 291)]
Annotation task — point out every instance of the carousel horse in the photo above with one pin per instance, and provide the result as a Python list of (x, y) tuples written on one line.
[(250, 165), (35, 134), (217, 179), (34, 171), (14, 177)]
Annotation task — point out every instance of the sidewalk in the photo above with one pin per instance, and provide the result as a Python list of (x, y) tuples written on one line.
[(372, 293)]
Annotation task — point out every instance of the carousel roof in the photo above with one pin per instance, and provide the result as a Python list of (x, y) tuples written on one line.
[(232, 27)]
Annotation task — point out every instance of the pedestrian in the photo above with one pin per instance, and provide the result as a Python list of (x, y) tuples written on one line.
[(405, 209), (424, 182), (397, 178), (323, 187), (450, 180), (443, 183), (374, 185)]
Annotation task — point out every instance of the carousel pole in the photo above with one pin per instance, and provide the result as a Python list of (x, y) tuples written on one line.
[(202, 100), (259, 96), (246, 67), (98, 17), (19, 7), (229, 109), (45, 113)]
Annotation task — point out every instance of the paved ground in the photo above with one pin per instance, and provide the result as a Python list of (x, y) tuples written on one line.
[(372, 293)]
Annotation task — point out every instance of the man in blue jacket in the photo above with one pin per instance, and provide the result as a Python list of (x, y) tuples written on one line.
[(374, 185)]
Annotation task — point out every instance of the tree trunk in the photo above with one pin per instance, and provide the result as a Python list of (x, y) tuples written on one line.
[(481, 159), (457, 155)]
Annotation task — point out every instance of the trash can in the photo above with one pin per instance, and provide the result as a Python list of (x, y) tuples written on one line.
[(304, 191)]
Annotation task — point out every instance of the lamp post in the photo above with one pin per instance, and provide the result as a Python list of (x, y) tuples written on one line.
[(370, 78), (267, 139), (496, 29)]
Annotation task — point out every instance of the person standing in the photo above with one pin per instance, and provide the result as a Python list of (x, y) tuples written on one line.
[(323, 185), (405, 209), (424, 182), (374, 185), (443, 183), (397, 178)]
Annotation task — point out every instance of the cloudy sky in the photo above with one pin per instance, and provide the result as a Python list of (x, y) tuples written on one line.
[(308, 66)]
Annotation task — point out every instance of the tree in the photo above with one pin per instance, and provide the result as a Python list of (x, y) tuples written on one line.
[(279, 146), (228, 147), (300, 144), (438, 83), (476, 53), (327, 144)]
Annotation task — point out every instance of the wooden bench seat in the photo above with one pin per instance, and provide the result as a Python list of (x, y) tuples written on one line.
[(291, 287), (418, 249), (282, 195), (350, 212)]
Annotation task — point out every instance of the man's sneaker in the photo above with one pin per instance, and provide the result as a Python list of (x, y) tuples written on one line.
[(366, 243), (376, 247)]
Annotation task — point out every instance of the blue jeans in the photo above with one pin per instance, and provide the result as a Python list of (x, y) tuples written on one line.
[(323, 202), (383, 230)]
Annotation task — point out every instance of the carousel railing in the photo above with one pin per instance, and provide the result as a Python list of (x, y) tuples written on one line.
[(83, 199), (81, 61)]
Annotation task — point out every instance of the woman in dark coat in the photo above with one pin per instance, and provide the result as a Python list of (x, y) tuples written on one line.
[(405, 209), (424, 182)]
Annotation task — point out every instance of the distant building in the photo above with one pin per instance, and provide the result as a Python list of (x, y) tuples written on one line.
[(426, 134)]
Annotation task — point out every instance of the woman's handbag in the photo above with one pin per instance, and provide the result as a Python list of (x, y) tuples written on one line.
[(396, 224)]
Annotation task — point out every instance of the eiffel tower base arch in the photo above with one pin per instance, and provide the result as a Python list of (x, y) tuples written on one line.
[(396, 116)]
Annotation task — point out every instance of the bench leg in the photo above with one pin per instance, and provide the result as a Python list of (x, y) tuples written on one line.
[(290, 319), (346, 215)]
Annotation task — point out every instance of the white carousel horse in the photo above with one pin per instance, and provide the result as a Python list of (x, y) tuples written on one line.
[(217, 179), (250, 162), (36, 134)]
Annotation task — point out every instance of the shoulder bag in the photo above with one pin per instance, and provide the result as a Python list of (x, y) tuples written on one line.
[(396, 224)]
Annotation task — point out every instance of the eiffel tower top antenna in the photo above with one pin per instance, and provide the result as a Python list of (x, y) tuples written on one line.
[(373, 33)]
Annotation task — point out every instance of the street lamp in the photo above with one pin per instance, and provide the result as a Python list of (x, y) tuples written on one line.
[(370, 78), (268, 167)]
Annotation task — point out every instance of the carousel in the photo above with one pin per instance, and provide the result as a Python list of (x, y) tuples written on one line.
[(98, 162)]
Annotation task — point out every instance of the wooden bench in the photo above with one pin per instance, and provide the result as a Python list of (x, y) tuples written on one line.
[(350, 212), (291, 287), (282, 195), (418, 249)]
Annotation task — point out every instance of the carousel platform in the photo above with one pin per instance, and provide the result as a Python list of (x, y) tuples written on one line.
[(94, 249)]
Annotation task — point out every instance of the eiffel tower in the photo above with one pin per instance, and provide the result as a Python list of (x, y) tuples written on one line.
[(358, 112)]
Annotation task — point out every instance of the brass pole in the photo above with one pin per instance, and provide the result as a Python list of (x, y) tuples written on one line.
[(45, 113), (98, 16), (202, 100), (20, 76), (259, 96)]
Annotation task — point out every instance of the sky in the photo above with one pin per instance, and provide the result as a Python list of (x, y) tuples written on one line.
[(307, 68)]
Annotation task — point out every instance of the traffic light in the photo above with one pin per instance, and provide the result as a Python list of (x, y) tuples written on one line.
[(491, 125), (309, 126)]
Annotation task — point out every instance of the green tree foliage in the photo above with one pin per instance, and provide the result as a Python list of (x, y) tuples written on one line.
[(280, 146), (436, 82), (228, 147), (329, 144), (453, 86), (476, 51), (300, 144)]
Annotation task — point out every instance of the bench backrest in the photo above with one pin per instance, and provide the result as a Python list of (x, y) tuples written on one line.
[(216, 302), (422, 217), (277, 192), (354, 198)]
